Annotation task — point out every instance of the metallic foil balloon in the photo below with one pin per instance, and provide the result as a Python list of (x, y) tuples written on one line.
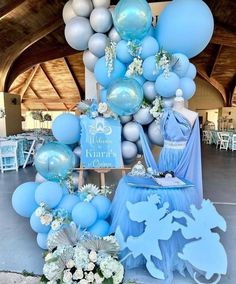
[(131, 131), (89, 60), (113, 35), (54, 160), (82, 8), (129, 150), (125, 96), (149, 91), (78, 32), (143, 116), (154, 134), (101, 3), (68, 12), (132, 19), (98, 43), (101, 20), (125, 118)]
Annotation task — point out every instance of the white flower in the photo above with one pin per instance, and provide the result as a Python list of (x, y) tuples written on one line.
[(56, 224), (110, 267), (51, 271), (94, 114), (83, 281), (90, 266), (90, 277), (39, 211), (46, 219), (98, 279), (81, 257), (49, 256), (67, 277), (93, 256), (70, 263), (78, 274), (102, 108)]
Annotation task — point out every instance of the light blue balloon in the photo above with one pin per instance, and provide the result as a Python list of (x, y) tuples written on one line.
[(49, 193), (125, 96), (151, 32), (191, 71), (54, 160), (102, 205), (180, 64), (166, 86), (188, 87), (42, 240), (23, 200), (103, 95), (132, 19), (66, 128), (185, 26), (101, 228), (37, 226), (84, 214), (149, 91), (139, 78), (101, 71), (122, 52), (150, 69), (149, 46), (68, 202)]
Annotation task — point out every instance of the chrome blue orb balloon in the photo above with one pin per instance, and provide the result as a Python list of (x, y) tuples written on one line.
[(54, 160), (125, 96), (132, 19)]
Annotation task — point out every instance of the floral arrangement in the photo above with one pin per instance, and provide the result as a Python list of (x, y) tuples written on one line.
[(83, 259), (110, 56), (157, 109), (134, 48), (163, 60), (135, 68), (89, 191)]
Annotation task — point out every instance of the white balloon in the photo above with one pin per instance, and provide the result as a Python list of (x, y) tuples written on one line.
[(68, 12), (82, 8), (101, 3), (101, 20), (89, 60), (114, 36)]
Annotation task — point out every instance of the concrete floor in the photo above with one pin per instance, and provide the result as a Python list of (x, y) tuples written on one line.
[(19, 251)]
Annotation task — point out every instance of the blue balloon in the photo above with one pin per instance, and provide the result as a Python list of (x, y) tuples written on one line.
[(149, 91), (139, 78), (180, 64), (122, 52), (188, 87), (68, 202), (103, 95), (166, 86), (132, 19), (54, 160), (84, 214), (50, 193), (101, 71), (191, 72), (149, 46), (102, 205), (23, 199), (185, 26), (42, 240), (150, 69), (37, 226), (151, 32), (66, 128), (101, 228), (125, 96)]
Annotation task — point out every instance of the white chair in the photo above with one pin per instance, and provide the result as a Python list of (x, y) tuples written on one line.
[(36, 143), (218, 139), (204, 136), (8, 156), (233, 142), (224, 141)]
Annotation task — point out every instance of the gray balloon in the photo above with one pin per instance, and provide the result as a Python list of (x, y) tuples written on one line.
[(101, 3), (68, 12), (82, 8), (39, 178), (78, 32), (154, 134), (114, 35), (129, 161), (149, 91), (143, 116), (131, 131), (125, 118), (97, 44), (77, 151), (89, 60), (101, 20), (168, 102), (129, 150)]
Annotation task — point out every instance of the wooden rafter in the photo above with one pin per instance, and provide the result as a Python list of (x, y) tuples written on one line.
[(72, 100), (15, 89), (5, 10), (37, 95), (215, 61), (223, 36)]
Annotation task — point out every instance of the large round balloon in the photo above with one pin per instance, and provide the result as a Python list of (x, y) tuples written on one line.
[(122, 52), (23, 200), (149, 91), (68, 12), (97, 44), (78, 32), (166, 86), (129, 150), (101, 20), (101, 228), (131, 131), (89, 60), (84, 214), (150, 69), (188, 87), (132, 19), (125, 96), (82, 8), (149, 47), (68, 202), (49, 193), (54, 160), (102, 205), (66, 128), (185, 26), (42, 240), (37, 226), (101, 71), (154, 134)]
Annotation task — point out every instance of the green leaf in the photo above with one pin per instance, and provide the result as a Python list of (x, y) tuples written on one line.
[(107, 281)]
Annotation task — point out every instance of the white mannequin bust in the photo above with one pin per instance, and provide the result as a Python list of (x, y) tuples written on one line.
[(180, 107)]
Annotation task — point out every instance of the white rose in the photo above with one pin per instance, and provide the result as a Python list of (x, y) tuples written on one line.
[(93, 256), (56, 225), (67, 277), (83, 281), (90, 277), (39, 211), (90, 266), (98, 279), (70, 263), (102, 107), (46, 219), (78, 274)]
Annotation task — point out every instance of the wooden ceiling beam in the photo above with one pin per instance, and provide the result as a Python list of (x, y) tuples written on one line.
[(73, 100), (223, 36), (215, 61), (37, 95), (11, 5)]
